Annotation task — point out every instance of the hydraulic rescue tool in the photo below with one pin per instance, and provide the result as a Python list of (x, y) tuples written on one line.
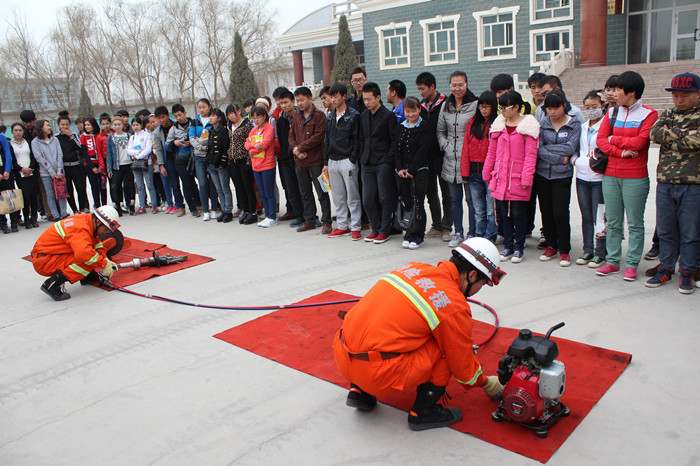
[(155, 261), (534, 383)]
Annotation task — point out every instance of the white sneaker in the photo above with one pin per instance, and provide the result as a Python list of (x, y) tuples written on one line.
[(456, 240), (271, 222), (405, 244), (206, 217), (263, 223)]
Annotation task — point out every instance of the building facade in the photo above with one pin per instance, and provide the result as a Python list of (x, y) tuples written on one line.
[(400, 38)]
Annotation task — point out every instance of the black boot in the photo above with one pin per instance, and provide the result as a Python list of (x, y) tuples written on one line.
[(221, 217), (360, 399), (92, 277), (3, 224), (427, 413), (251, 218), (228, 217), (55, 288)]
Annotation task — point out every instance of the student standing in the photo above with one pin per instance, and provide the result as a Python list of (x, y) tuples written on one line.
[(240, 168), (285, 161), (7, 171), (341, 162), (217, 159), (26, 175), (47, 151), (474, 150), (199, 137), (509, 169), (178, 142), (140, 149), (73, 164), (95, 160), (261, 147), (119, 167), (589, 184), (410, 154), (559, 140)]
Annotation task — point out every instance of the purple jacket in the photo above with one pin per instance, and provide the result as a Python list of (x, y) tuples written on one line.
[(511, 160)]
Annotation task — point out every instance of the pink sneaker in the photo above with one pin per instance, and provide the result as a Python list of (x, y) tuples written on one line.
[(630, 274), (606, 270)]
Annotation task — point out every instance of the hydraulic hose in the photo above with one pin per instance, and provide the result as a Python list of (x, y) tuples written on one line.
[(286, 306)]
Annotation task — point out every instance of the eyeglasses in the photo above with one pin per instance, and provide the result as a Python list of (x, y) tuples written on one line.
[(458, 85), (503, 109), (358, 80)]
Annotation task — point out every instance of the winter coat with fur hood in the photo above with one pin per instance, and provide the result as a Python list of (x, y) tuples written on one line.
[(512, 158)]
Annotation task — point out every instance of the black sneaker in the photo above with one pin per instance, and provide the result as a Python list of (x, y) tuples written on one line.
[(357, 398), (687, 283), (661, 277), (653, 254), (437, 417), (14, 229)]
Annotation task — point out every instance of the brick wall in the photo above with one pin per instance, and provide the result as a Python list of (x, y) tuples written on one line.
[(479, 73), (617, 40)]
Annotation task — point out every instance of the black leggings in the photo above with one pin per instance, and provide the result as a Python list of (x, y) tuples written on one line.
[(121, 185), (75, 181), (242, 177), (99, 194), (30, 193)]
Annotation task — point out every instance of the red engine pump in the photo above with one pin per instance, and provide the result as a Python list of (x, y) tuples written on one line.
[(534, 382)]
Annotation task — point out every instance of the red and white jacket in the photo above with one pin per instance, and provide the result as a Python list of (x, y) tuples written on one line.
[(631, 132)]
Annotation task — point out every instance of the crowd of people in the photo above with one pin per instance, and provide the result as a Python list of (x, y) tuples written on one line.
[(497, 153)]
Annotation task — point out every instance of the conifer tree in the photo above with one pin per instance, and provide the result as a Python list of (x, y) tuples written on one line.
[(242, 83), (345, 60), (84, 105)]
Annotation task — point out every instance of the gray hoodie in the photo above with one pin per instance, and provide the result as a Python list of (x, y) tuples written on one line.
[(49, 156), (555, 146), (450, 133)]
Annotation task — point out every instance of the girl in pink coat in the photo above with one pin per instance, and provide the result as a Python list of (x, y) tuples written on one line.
[(509, 170)]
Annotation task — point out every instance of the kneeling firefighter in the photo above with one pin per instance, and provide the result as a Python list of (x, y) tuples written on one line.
[(413, 328), (71, 250)]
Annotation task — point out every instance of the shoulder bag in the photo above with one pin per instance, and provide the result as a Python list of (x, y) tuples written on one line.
[(599, 160)]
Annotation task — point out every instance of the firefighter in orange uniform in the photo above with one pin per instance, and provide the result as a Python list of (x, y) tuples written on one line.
[(71, 250), (413, 328)]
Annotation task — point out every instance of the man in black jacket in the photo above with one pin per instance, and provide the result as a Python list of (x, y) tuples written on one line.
[(285, 161), (379, 194), (358, 78), (430, 111), (340, 161)]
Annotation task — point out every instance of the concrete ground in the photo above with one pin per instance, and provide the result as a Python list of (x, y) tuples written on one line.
[(112, 379)]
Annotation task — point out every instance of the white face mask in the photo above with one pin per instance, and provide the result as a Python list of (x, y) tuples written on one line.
[(593, 114)]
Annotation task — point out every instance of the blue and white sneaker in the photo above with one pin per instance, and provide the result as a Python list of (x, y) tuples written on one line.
[(506, 254)]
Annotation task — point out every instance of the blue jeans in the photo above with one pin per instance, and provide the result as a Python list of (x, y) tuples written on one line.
[(456, 196), (484, 205), (220, 177), (141, 176), (208, 198), (678, 225), (172, 186), (266, 185), (590, 196)]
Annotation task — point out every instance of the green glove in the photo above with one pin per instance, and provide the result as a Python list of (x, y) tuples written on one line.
[(493, 387), (109, 269)]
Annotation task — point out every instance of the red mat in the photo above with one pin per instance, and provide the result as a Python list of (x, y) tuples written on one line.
[(302, 338), (142, 249)]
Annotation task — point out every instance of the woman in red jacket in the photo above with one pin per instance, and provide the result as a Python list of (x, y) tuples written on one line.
[(95, 159), (474, 150), (261, 146)]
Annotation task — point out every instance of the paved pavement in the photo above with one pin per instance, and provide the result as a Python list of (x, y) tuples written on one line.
[(111, 379)]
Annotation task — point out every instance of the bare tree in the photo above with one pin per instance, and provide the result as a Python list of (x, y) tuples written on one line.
[(19, 55)]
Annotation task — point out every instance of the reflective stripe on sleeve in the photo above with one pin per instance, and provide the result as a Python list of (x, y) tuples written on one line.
[(99, 245), (93, 259), (59, 229), (79, 269), (423, 306), (473, 380)]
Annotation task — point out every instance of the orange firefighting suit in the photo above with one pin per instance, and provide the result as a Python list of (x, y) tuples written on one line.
[(419, 311), (72, 247)]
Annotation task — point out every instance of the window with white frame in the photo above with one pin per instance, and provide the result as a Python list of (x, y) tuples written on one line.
[(544, 11), (496, 33), (545, 43), (440, 40), (394, 45)]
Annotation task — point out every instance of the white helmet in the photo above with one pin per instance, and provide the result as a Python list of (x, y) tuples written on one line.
[(483, 255), (108, 216)]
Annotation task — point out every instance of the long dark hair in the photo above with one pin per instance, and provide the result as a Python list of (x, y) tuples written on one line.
[(480, 123), (39, 129), (93, 123)]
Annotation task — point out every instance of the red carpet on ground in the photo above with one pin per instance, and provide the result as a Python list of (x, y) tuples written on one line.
[(301, 339), (142, 249)]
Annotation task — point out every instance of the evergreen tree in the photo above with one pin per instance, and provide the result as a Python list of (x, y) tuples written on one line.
[(242, 83), (84, 105), (345, 60)]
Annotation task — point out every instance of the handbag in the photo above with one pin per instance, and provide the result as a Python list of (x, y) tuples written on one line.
[(139, 164), (60, 188), (11, 200), (599, 160)]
